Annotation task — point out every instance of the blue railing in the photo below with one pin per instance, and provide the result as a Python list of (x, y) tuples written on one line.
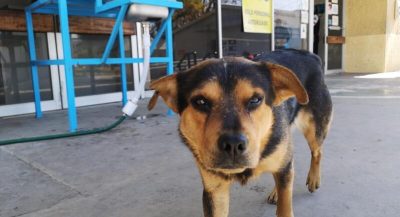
[(94, 8)]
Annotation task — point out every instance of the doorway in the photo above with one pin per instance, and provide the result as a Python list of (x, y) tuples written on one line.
[(328, 34), (93, 85), (16, 94)]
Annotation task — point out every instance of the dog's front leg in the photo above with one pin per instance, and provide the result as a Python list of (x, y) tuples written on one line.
[(284, 187), (215, 195)]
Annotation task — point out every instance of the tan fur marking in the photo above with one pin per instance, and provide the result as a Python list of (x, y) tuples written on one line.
[(286, 84), (276, 160), (211, 90), (244, 90), (203, 138), (255, 124), (284, 203), (166, 87), (219, 190), (306, 124)]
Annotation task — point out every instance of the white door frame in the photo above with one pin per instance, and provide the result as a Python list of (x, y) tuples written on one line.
[(333, 71), (48, 105), (219, 27), (91, 99), (273, 25), (311, 26)]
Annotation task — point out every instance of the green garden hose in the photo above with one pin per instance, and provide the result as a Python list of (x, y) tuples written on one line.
[(64, 135)]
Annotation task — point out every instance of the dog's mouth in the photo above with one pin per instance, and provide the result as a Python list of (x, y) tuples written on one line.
[(230, 171), (231, 166)]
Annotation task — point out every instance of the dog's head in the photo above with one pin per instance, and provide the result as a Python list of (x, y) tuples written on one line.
[(226, 108)]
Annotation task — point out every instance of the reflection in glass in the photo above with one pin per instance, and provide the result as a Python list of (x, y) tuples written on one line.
[(335, 50), (91, 80), (195, 31), (195, 36), (15, 71), (236, 42), (291, 25)]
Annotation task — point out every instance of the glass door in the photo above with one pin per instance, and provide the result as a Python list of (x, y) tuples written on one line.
[(245, 36), (95, 84), (334, 36), (292, 24), (16, 92), (328, 33)]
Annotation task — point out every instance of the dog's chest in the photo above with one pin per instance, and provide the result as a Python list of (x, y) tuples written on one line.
[(276, 160)]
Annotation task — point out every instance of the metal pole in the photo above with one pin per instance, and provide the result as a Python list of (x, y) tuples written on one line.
[(272, 25), (219, 25), (170, 52), (69, 73), (114, 32), (170, 45), (32, 54)]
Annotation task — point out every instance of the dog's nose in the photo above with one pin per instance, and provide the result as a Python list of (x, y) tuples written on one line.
[(232, 144)]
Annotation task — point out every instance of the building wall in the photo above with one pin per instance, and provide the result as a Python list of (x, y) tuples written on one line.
[(365, 23), (392, 37), (372, 36)]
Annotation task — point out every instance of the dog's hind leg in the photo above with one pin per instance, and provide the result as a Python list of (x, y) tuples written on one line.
[(315, 126)]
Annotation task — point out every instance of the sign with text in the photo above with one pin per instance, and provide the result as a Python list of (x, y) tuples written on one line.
[(257, 16)]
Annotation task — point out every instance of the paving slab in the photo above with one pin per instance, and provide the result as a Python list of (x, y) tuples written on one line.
[(25, 188)]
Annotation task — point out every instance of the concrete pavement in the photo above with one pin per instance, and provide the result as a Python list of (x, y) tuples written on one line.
[(141, 169)]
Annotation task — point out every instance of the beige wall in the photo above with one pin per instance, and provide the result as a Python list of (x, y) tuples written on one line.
[(392, 38), (365, 23), (372, 36)]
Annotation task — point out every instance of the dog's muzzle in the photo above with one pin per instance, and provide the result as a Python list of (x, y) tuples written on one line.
[(232, 151)]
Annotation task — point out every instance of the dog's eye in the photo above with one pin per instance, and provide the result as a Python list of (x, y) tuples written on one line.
[(201, 103), (254, 102)]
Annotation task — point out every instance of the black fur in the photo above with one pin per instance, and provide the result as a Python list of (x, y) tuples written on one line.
[(308, 68), (208, 204), (305, 65), (278, 131), (189, 81), (283, 174), (244, 177)]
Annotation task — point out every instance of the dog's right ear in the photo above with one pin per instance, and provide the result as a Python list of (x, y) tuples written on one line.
[(286, 84), (166, 87)]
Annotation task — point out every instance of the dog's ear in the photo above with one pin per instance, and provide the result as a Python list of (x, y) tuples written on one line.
[(286, 84), (166, 87)]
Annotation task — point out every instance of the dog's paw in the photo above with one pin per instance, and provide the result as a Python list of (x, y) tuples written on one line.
[(313, 181), (273, 197)]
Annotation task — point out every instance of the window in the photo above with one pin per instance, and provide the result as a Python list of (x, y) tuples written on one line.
[(15, 71)]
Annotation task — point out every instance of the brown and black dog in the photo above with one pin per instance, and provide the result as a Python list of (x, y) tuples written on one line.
[(236, 116)]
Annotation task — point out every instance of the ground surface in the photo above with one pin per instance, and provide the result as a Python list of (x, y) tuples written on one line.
[(141, 169)]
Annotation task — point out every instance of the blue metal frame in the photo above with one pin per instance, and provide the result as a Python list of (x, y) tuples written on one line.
[(32, 54), (94, 8), (169, 52)]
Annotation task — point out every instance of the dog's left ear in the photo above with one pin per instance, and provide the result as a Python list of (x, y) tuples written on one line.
[(167, 89), (286, 84)]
